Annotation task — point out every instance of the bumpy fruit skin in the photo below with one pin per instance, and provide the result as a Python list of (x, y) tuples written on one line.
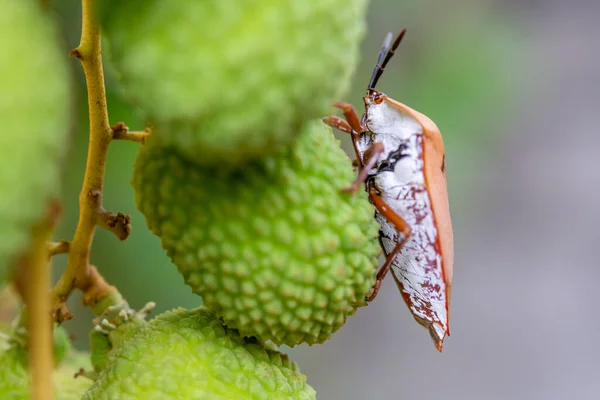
[(189, 354), (103, 345), (35, 108), (67, 387), (14, 379), (228, 80), (274, 248)]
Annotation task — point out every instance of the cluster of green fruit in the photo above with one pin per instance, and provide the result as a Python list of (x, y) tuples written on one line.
[(239, 179), (14, 377)]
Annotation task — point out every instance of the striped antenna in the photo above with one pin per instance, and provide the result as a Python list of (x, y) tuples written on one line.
[(384, 57)]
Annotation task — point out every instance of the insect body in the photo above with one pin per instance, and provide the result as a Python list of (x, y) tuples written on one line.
[(401, 157)]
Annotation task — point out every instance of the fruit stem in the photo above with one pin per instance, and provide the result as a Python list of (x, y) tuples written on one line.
[(77, 274), (33, 281)]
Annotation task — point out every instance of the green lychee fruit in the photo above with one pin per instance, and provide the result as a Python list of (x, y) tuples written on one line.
[(67, 385), (117, 322), (14, 379), (35, 108), (16, 335), (189, 354), (103, 344), (274, 248), (14, 376), (225, 81)]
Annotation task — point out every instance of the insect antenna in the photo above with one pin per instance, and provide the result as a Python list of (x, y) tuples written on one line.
[(384, 49), (384, 57)]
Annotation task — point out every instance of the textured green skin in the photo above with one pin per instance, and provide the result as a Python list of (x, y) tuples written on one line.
[(190, 355), (61, 342), (68, 387), (226, 81), (103, 345), (275, 248), (14, 380), (35, 109)]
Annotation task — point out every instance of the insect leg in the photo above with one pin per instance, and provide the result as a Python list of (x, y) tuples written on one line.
[(401, 226), (351, 116), (338, 123), (370, 159)]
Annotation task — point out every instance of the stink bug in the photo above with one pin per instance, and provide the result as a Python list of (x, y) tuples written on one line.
[(401, 159)]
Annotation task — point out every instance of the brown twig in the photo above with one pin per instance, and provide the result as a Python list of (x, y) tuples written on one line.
[(60, 247), (121, 132), (91, 214), (119, 224)]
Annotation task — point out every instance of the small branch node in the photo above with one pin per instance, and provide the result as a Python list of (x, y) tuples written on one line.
[(60, 247), (119, 128), (61, 313), (119, 224), (95, 196), (120, 131), (76, 54)]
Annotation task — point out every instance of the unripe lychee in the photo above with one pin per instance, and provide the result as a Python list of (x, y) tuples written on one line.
[(35, 108), (14, 375), (104, 340), (275, 248), (226, 81), (189, 354)]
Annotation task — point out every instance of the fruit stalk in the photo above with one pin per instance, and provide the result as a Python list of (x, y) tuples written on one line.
[(89, 53)]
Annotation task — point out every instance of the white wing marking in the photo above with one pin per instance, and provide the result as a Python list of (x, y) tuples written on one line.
[(418, 266)]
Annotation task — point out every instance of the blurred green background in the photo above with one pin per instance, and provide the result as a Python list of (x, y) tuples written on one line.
[(511, 86)]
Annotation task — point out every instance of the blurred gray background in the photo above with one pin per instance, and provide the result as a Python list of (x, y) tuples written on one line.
[(514, 88)]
